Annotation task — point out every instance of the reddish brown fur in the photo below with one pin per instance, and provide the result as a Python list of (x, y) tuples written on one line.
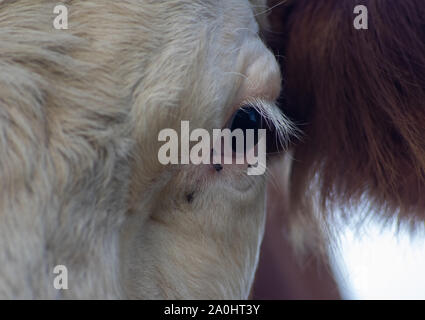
[(359, 97)]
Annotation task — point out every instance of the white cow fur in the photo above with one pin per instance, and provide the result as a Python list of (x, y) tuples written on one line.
[(81, 185)]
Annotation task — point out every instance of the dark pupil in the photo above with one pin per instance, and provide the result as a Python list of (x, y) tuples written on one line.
[(246, 118)]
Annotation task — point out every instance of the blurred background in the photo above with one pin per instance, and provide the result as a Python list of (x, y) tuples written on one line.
[(367, 262), (375, 263)]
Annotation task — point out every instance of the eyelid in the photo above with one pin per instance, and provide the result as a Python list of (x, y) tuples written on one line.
[(260, 104), (259, 77), (261, 73)]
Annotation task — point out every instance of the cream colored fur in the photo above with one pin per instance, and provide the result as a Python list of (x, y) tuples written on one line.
[(81, 185)]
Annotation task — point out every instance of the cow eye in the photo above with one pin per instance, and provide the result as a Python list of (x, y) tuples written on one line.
[(247, 117)]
